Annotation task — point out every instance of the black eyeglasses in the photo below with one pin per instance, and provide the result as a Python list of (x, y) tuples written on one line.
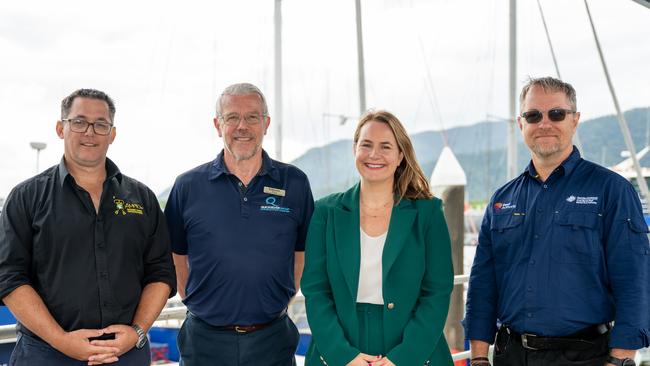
[(80, 125), (555, 115)]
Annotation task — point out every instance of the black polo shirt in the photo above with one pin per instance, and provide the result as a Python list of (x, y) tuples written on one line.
[(89, 268)]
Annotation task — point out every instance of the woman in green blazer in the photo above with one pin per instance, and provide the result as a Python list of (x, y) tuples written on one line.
[(378, 272)]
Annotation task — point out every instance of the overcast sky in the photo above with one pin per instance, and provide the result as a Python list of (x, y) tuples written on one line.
[(434, 63)]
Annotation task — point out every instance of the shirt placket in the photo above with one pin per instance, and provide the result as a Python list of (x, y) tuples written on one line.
[(101, 260), (542, 225), (244, 199), (539, 224)]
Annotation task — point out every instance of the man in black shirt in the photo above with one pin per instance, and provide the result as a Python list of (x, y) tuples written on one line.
[(85, 262)]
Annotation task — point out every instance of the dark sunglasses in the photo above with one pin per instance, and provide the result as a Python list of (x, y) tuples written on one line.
[(555, 115)]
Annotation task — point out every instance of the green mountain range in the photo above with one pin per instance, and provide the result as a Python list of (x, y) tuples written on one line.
[(481, 151)]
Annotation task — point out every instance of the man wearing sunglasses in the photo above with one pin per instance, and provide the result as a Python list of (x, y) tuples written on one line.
[(85, 260), (562, 269)]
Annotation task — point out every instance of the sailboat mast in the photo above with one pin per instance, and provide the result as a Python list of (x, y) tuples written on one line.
[(512, 124), (277, 118), (362, 73)]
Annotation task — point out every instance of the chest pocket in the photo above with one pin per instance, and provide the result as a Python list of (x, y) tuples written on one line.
[(576, 237), (507, 235)]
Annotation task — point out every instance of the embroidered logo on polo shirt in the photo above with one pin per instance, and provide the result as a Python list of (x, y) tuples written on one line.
[(271, 206), (122, 207), (589, 200)]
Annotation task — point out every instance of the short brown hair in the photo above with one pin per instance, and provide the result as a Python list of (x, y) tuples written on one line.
[(409, 182), (66, 104)]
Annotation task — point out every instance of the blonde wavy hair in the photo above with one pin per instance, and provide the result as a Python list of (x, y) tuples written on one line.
[(409, 182)]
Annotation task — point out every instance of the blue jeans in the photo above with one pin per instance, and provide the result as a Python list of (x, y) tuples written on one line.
[(202, 344), (30, 351)]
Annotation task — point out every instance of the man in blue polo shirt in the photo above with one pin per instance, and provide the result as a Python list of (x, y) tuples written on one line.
[(238, 226), (563, 253)]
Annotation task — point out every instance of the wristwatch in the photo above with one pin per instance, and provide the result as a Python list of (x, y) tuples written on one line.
[(142, 336), (621, 361)]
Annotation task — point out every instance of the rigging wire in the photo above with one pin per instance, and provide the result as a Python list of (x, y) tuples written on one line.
[(643, 187), (433, 100), (576, 137), (548, 38)]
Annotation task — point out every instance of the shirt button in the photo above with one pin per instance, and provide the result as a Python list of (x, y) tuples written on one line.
[(532, 262), (529, 288), (540, 210), (390, 306), (105, 303), (103, 274), (536, 236), (530, 315), (240, 184), (545, 186), (245, 199)]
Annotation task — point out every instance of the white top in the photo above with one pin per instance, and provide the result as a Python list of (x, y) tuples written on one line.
[(370, 284)]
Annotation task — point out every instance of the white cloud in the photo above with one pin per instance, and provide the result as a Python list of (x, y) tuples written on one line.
[(164, 64)]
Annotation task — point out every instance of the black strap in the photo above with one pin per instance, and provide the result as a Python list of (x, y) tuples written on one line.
[(581, 340)]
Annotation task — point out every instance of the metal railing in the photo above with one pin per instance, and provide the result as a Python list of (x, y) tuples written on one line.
[(174, 313)]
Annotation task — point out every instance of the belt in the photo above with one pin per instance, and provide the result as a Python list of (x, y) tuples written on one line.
[(578, 341), (243, 329)]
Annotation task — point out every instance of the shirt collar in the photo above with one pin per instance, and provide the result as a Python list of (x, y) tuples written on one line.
[(112, 171), (567, 165), (218, 167)]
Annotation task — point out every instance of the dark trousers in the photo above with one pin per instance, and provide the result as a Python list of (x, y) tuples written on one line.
[(202, 344), (31, 351), (509, 351)]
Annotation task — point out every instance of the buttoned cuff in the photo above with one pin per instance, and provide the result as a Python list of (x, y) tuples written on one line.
[(629, 338)]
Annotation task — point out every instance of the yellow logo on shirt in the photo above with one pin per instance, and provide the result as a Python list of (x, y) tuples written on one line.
[(122, 207)]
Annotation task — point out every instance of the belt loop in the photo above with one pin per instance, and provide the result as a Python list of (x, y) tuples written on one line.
[(524, 341)]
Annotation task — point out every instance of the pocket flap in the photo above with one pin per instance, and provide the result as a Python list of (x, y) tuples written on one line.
[(506, 221), (638, 225), (586, 219)]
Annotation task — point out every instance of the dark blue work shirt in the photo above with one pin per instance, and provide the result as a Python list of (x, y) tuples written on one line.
[(557, 256), (240, 240)]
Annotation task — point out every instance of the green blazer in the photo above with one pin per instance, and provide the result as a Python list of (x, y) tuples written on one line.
[(417, 282)]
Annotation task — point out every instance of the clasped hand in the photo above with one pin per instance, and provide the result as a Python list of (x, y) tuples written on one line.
[(363, 359), (77, 344)]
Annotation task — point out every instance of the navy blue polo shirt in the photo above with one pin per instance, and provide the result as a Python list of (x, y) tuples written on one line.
[(240, 240), (557, 256)]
